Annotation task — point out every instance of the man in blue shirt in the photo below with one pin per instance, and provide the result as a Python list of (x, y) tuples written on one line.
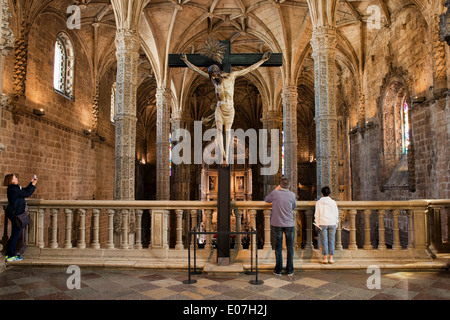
[(282, 221)]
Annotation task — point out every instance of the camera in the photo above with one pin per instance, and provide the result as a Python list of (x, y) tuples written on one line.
[(35, 177)]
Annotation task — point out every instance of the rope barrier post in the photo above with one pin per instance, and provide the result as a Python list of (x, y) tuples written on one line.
[(189, 281), (256, 281), (195, 253), (251, 255)]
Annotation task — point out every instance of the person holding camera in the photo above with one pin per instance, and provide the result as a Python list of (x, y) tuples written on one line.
[(326, 220), (16, 206)]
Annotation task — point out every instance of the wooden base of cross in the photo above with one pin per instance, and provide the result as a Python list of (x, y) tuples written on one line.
[(223, 214)]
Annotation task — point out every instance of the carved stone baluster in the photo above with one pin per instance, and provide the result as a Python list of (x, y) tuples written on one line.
[(179, 229), (352, 244), (95, 229), (138, 244), (124, 240), (395, 215), (338, 245), (238, 214), (194, 215), (367, 243), (82, 231), (252, 213), (54, 228), (68, 236), (40, 227), (381, 230), (208, 214), (410, 229), (110, 234)]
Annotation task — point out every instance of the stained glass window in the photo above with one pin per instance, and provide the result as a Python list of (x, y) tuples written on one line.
[(170, 153), (405, 127)]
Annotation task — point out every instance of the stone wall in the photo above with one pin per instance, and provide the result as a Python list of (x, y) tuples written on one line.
[(69, 163), (401, 55)]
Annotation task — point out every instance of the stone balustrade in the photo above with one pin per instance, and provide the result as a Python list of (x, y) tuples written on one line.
[(115, 228)]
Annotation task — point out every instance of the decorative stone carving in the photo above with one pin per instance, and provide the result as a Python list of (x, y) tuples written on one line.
[(272, 120), (323, 43), (163, 109), (289, 101), (127, 43), (180, 189), (6, 34), (21, 61)]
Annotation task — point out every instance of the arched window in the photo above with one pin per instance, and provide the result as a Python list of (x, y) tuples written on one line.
[(113, 102), (405, 127), (63, 73)]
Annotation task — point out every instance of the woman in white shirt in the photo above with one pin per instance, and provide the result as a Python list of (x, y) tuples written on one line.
[(326, 219)]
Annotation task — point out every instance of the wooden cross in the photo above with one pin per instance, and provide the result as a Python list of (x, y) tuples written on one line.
[(224, 174)]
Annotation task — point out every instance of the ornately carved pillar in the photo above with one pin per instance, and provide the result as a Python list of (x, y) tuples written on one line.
[(127, 43), (272, 120), (6, 46), (180, 172), (323, 43), (163, 109), (289, 100)]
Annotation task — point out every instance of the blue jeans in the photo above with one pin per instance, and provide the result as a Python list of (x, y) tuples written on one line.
[(327, 236), (289, 233)]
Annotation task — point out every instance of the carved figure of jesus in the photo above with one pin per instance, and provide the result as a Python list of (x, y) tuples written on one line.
[(224, 86)]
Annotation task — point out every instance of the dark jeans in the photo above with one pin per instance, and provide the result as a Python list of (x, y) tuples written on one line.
[(12, 241), (289, 233)]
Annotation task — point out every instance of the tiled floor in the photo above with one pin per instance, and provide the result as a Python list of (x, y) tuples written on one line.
[(23, 282)]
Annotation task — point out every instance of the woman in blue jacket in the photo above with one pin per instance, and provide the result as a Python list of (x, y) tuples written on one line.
[(16, 201)]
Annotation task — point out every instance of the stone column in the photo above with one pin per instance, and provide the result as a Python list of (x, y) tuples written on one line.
[(180, 189), (323, 44), (127, 43), (273, 120), (6, 46), (289, 100), (163, 109)]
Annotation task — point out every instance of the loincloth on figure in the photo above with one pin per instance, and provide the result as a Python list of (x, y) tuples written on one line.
[(224, 116), (220, 115)]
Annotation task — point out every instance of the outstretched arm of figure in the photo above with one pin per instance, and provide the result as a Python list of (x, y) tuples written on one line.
[(253, 67), (183, 57)]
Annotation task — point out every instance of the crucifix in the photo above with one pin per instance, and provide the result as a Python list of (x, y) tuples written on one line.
[(223, 81)]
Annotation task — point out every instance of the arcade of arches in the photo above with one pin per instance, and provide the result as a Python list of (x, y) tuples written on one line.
[(361, 103)]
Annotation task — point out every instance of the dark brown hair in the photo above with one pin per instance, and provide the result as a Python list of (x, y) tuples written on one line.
[(284, 183), (8, 179)]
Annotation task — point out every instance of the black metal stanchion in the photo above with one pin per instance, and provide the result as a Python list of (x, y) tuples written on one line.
[(194, 232), (251, 255), (189, 281), (195, 253), (256, 281)]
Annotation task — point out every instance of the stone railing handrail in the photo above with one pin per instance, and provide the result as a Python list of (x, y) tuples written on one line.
[(258, 205)]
